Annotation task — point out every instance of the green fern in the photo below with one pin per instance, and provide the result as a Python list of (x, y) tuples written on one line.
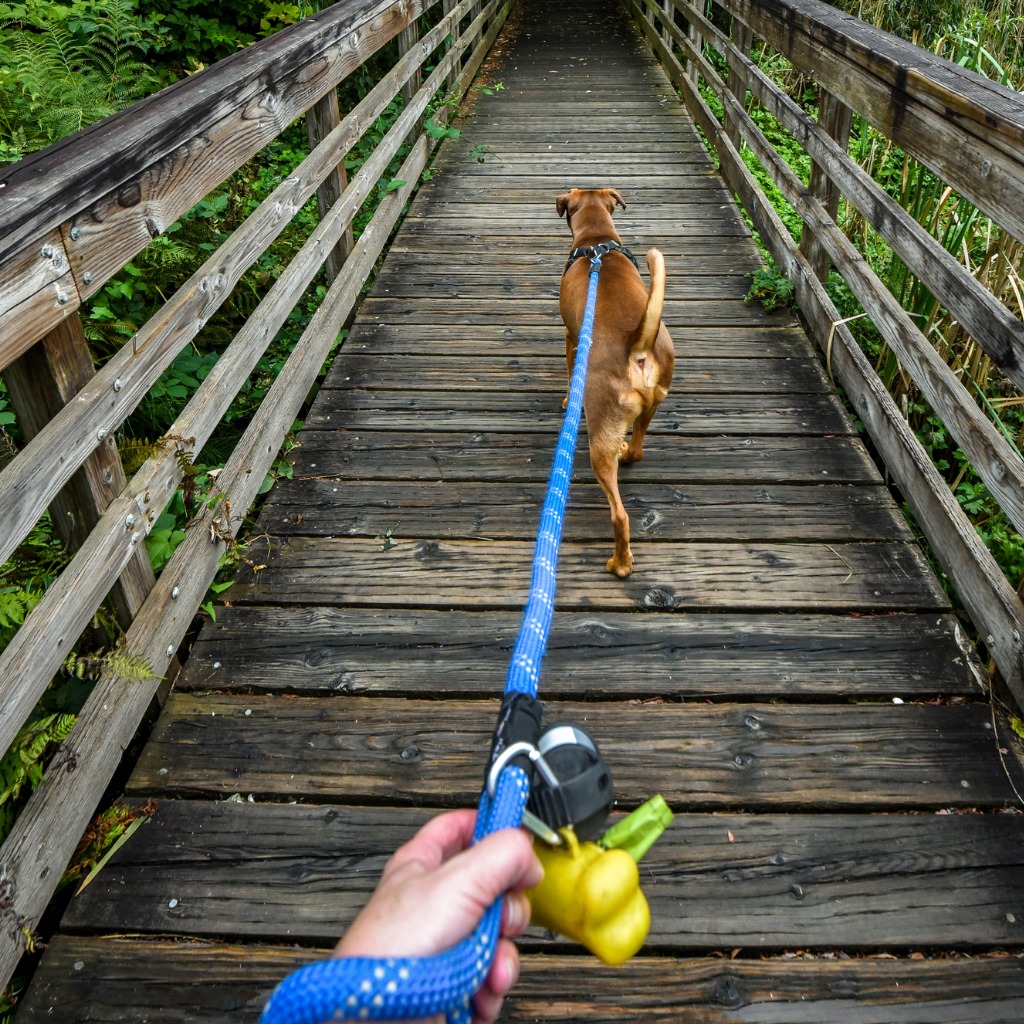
[(56, 76), (135, 451), (23, 766), (15, 604), (128, 667)]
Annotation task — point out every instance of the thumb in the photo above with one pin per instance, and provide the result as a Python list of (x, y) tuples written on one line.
[(500, 862)]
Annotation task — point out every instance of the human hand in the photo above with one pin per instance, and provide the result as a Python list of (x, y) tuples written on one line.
[(433, 892)]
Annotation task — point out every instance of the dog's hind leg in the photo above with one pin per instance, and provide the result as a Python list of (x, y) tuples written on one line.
[(635, 449), (606, 468)]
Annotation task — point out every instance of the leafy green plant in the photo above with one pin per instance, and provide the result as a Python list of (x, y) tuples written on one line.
[(64, 66), (22, 767), (772, 289)]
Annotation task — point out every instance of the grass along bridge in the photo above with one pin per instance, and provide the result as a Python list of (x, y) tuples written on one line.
[(783, 665)]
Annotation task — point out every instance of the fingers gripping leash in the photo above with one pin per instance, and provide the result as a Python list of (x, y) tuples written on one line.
[(406, 988)]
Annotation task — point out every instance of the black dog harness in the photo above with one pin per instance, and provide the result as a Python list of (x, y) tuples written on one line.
[(595, 252)]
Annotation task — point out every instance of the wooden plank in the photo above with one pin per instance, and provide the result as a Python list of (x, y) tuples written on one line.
[(806, 414), (433, 573), (691, 313), (484, 283), (766, 883), (708, 343), (477, 456), (466, 654), (514, 375), (494, 511), (703, 757), (651, 231), (94, 980)]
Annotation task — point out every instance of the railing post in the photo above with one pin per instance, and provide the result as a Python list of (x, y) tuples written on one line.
[(743, 39), (835, 118), (321, 119), (447, 6), (40, 383), (407, 39), (696, 41)]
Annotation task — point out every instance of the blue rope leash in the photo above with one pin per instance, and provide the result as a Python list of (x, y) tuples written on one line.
[(403, 988)]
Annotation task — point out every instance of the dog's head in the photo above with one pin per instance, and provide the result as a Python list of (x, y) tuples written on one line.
[(583, 203)]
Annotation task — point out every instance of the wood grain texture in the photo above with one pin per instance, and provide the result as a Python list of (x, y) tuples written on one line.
[(496, 574), (680, 413), (507, 374), (39, 292), (91, 980), (789, 881), (326, 508), (595, 656), (477, 455), (358, 749)]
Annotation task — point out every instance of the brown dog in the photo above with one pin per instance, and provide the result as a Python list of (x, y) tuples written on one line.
[(631, 356)]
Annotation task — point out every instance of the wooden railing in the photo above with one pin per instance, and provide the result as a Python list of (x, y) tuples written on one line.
[(967, 130), (71, 217)]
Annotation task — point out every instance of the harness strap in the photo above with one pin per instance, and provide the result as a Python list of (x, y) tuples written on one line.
[(595, 252)]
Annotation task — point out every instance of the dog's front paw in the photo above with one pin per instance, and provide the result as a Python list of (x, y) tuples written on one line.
[(620, 567), (565, 402)]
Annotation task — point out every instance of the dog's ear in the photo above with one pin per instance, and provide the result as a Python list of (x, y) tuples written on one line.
[(562, 203), (617, 196)]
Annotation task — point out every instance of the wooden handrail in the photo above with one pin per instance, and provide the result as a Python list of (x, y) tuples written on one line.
[(927, 106), (166, 163)]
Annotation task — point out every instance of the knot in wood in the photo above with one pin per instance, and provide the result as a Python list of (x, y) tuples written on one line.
[(728, 991)]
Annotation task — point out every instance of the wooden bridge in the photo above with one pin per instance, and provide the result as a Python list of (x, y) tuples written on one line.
[(783, 665)]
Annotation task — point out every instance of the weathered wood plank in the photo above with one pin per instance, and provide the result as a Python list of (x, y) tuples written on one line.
[(465, 654), (767, 883), (704, 757), (543, 285), (433, 573), (693, 313), (704, 343), (635, 231), (720, 414), (39, 291), (478, 456), (512, 374), (494, 511), (93, 980), (543, 269)]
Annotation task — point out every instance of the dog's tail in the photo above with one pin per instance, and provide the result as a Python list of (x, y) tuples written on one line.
[(651, 322)]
